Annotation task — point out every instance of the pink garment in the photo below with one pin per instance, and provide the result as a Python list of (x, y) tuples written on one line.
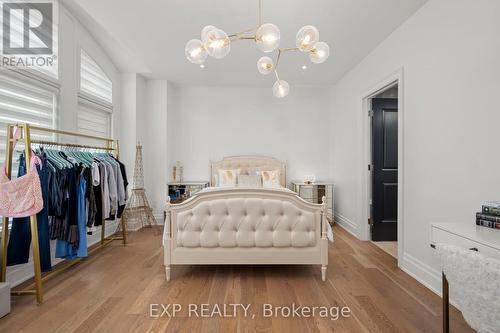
[(21, 197)]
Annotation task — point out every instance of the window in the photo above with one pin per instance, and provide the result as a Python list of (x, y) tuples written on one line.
[(93, 121), (93, 80), (95, 100), (23, 102)]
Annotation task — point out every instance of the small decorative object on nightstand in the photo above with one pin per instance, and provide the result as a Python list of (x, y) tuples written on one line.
[(313, 192), (180, 191)]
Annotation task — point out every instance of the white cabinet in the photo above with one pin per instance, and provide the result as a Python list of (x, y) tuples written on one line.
[(468, 236)]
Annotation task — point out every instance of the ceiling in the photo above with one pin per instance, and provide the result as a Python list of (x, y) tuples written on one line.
[(149, 36)]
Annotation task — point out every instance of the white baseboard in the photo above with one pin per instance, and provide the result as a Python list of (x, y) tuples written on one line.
[(20, 273), (423, 273), (347, 224), (420, 271)]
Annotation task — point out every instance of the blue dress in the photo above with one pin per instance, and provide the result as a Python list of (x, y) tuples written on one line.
[(64, 249)]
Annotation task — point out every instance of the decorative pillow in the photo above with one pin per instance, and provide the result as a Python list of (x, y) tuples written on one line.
[(249, 181), (270, 179), (228, 178)]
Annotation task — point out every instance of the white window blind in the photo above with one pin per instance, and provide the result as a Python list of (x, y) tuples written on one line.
[(94, 121), (17, 36), (22, 102), (93, 80)]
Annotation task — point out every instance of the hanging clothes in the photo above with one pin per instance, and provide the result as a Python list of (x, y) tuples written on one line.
[(69, 250), (79, 190), (18, 248), (125, 185)]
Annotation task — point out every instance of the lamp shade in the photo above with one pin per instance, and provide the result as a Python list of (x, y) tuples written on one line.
[(265, 65), (306, 38), (281, 88), (195, 51), (217, 43), (319, 53), (267, 37)]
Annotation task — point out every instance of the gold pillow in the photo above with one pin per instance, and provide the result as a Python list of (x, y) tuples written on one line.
[(270, 179), (228, 177)]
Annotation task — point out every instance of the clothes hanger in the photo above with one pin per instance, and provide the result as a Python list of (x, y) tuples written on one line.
[(51, 156)]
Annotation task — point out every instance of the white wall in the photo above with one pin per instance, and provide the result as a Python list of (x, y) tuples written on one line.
[(127, 128), (208, 123), (144, 111), (155, 145), (449, 51)]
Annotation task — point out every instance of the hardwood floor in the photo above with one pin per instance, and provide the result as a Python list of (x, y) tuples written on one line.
[(112, 292)]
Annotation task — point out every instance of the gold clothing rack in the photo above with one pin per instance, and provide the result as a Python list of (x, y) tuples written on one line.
[(36, 287)]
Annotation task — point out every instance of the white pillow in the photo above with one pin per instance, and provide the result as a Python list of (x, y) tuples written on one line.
[(249, 181), (228, 178), (270, 179)]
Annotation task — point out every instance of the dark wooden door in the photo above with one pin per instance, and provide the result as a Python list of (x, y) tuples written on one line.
[(385, 169)]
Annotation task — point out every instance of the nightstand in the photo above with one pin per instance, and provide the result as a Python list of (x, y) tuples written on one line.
[(180, 191), (314, 192)]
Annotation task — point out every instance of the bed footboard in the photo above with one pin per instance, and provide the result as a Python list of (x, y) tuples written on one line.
[(245, 226)]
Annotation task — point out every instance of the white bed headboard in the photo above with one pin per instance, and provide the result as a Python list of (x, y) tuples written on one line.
[(249, 163)]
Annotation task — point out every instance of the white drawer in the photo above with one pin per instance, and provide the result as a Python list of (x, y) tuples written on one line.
[(443, 236)]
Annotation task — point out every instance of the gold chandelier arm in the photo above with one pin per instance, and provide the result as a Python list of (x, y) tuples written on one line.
[(280, 51), (234, 38), (278, 59), (243, 31), (289, 49), (276, 73)]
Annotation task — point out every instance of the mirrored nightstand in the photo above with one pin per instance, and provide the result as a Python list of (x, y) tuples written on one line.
[(180, 191), (314, 192)]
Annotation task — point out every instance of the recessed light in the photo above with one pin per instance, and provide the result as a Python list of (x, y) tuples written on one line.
[(304, 67), (202, 66)]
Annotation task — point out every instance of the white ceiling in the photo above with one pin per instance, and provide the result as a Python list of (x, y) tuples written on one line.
[(149, 36)]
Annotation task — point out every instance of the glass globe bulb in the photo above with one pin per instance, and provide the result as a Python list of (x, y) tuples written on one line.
[(267, 37), (265, 65), (319, 53), (218, 44), (306, 38), (205, 31), (281, 88), (195, 51)]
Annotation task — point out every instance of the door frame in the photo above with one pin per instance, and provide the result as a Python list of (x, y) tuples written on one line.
[(396, 78)]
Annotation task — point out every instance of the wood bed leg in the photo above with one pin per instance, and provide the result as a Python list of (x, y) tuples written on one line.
[(167, 272), (323, 273)]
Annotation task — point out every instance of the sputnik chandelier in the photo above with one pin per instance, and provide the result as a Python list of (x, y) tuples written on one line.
[(217, 44)]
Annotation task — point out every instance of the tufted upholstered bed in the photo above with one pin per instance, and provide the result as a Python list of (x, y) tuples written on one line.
[(246, 225)]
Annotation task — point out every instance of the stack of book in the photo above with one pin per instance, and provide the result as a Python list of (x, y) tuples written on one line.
[(490, 215)]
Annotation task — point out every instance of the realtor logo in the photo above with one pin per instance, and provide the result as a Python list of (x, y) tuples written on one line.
[(27, 27), (28, 33)]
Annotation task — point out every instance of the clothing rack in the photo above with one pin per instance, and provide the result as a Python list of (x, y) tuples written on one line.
[(36, 288)]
